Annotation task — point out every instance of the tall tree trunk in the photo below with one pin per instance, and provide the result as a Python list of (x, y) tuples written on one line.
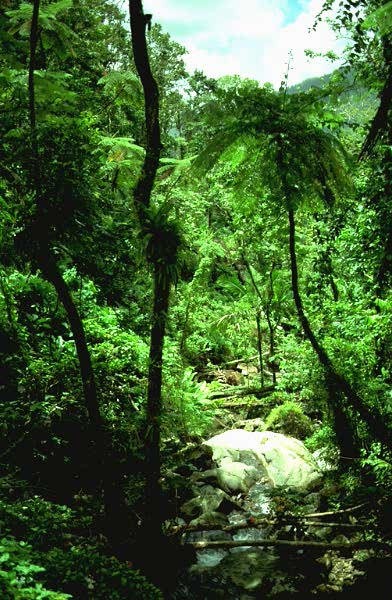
[(52, 273), (271, 329), (153, 503), (343, 426), (145, 183), (370, 416), (259, 348), (383, 208), (153, 506), (325, 261), (259, 340)]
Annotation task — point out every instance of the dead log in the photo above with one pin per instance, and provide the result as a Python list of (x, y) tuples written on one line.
[(296, 544), (242, 360), (255, 523), (332, 513), (241, 392)]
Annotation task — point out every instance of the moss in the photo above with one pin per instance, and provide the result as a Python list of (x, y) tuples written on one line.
[(289, 419)]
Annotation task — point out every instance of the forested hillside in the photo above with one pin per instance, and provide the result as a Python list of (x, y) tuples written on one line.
[(191, 270)]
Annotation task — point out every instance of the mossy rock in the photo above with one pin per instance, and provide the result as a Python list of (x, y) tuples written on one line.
[(289, 418)]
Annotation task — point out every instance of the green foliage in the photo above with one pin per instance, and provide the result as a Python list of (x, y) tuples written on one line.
[(259, 153), (285, 502), (85, 573), (380, 466), (119, 359), (47, 356), (20, 18), (54, 536), (18, 574), (188, 411), (37, 521), (162, 238), (380, 19), (289, 418), (80, 570), (300, 372), (322, 438), (123, 161)]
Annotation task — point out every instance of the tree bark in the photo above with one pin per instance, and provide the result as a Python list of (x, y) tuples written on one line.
[(272, 363), (371, 417), (259, 348), (145, 183), (49, 267), (153, 504), (343, 427), (259, 341), (53, 274), (152, 525)]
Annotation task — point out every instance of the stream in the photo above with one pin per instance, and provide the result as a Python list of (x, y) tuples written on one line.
[(246, 572), (227, 496)]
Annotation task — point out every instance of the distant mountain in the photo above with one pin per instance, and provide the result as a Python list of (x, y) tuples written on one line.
[(312, 82), (357, 103)]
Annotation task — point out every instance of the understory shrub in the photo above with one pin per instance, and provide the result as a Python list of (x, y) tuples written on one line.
[(85, 574), (18, 574), (289, 419), (187, 410), (49, 540), (37, 521), (323, 438)]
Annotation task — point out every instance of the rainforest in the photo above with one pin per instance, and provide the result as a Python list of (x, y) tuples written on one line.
[(195, 311)]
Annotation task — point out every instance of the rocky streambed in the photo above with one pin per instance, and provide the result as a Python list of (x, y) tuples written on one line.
[(256, 526)]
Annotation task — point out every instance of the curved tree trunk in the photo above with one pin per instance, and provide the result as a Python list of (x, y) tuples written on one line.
[(145, 183), (343, 426), (370, 416), (152, 526), (53, 274), (48, 265)]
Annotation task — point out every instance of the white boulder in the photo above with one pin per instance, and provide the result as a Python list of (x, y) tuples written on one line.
[(244, 457)]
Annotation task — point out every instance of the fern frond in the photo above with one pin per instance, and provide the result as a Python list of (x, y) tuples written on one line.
[(209, 157)]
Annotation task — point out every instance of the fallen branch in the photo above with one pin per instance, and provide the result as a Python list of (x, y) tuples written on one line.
[(245, 361), (332, 513), (255, 523), (240, 392), (297, 544)]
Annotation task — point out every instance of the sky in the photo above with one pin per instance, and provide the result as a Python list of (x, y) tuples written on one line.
[(251, 38)]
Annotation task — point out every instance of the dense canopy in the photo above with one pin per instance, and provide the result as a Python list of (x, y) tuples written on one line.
[(184, 258)]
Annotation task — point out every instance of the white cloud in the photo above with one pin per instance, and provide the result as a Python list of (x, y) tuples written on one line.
[(252, 38)]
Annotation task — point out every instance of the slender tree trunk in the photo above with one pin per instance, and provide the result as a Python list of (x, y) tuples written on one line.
[(271, 328), (343, 427), (371, 416), (259, 341), (326, 261), (145, 183), (259, 348), (52, 273), (152, 526), (272, 364), (153, 502)]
